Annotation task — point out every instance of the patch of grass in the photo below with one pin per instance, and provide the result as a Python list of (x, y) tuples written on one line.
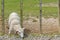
[(50, 35), (50, 11), (1, 34), (46, 12), (0, 7), (12, 35), (50, 1), (29, 7)]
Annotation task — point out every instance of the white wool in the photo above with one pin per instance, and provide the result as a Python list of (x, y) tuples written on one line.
[(14, 20), (13, 16)]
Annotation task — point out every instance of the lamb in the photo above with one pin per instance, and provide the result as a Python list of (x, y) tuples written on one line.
[(14, 24)]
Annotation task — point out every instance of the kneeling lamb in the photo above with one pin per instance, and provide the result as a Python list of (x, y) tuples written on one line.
[(14, 24)]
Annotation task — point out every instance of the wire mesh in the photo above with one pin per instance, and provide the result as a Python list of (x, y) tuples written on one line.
[(33, 12), (37, 17)]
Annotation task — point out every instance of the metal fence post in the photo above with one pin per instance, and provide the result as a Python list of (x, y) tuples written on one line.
[(21, 12), (3, 26), (59, 13), (41, 16)]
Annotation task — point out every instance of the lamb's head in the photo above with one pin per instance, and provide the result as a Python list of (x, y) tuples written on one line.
[(21, 32)]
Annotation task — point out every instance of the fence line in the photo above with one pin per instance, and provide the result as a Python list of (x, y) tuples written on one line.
[(21, 15)]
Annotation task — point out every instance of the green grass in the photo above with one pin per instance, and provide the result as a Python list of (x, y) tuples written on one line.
[(29, 6), (0, 7), (1, 33), (50, 12), (50, 1), (46, 34)]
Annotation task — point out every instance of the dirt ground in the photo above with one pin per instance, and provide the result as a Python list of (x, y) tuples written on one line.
[(32, 25), (49, 25)]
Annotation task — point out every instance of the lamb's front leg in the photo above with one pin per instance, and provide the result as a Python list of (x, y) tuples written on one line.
[(10, 29)]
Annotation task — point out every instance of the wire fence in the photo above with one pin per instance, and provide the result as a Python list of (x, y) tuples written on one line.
[(36, 16)]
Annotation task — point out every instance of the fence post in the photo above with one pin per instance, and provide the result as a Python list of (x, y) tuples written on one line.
[(3, 25), (59, 15), (21, 12), (41, 16), (59, 12)]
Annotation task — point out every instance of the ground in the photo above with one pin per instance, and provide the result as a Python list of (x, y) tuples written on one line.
[(32, 25), (30, 37)]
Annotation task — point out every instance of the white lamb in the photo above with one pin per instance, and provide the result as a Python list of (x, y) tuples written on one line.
[(14, 24)]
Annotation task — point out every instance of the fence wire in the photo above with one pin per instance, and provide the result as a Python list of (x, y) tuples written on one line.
[(38, 17)]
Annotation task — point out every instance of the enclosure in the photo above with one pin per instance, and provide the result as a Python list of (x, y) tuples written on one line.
[(39, 17)]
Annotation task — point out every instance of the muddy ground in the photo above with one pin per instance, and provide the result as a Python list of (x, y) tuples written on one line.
[(32, 24)]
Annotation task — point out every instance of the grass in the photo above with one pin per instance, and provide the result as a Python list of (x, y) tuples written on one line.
[(50, 1), (50, 12), (50, 35), (11, 35), (1, 34), (29, 7)]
